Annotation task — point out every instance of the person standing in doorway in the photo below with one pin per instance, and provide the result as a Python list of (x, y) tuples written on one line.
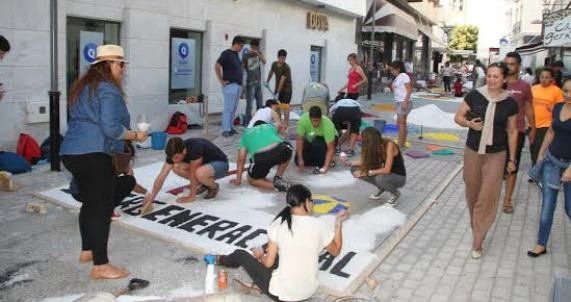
[(229, 73), (402, 89), (283, 87), (545, 95), (252, 63), (521, 92), (355, 78)]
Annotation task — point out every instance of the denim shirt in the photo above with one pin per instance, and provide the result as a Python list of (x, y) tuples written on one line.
[(96, 123)]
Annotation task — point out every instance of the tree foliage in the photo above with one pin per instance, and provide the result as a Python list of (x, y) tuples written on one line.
[(464, 37)]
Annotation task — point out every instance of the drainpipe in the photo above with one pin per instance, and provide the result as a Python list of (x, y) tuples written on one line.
[(54, 92)]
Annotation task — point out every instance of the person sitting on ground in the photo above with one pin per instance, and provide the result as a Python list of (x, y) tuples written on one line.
[(458, 87), (268, 114), (196, 159), (315, 143), (298, 239), (347, 112), (381, 164), (266, 149)]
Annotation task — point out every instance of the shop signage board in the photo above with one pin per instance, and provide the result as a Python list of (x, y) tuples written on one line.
[(557, 28)]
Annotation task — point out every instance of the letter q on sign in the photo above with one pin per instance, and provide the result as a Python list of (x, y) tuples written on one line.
[(90, 52)]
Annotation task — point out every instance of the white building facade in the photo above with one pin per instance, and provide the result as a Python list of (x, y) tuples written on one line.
[(161, 71)]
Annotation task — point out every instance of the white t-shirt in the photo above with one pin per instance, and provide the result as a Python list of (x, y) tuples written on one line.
[(399, 88), (296, 277), (263, 114), (345, 103)]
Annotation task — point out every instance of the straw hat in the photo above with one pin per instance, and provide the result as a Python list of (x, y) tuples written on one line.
[(109, 53)]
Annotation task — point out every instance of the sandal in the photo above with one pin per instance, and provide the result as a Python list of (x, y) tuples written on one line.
[(508, 209), (245, 289)]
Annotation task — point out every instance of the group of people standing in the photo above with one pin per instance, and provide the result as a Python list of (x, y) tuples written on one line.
[(499, 116)]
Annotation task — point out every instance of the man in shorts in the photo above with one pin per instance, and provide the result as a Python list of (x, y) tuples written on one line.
[(269, 115), (196, 159), (347, 115), (315, 143), (283, 87), (266, 149)]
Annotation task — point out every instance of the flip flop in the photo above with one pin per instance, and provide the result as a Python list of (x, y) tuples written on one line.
[(508, 209), (245, 289)]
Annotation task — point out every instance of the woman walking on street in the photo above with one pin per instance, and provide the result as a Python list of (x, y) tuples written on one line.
[(98, 124), (490, 114), (553, 169), (355, 78), (402, 89), (447, 73)]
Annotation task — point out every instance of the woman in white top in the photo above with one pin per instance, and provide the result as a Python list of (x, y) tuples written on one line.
[(447, 73), (402, 89), (299, 238)]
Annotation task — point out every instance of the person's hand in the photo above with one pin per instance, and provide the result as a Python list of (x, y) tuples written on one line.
[(511, 167), (357, 174), (566, 177), (476, 124), (223, 82), (186, 199), (323, 170), (141, 136), (342, 216), (372, 173), (300, 164), (531, 135), (258, 253), (236, 181)]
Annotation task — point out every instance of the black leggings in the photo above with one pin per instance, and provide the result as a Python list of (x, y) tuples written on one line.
[(96, 182), (536, 146), (124, 185), (314, 152), (260, 274)]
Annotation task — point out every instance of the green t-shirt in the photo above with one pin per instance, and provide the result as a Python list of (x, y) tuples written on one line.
[(325, 128), (256, 138), (280, 71)]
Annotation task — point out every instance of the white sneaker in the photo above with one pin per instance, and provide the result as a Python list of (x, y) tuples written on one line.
[(476, 254), (376, 196), (393, 199)]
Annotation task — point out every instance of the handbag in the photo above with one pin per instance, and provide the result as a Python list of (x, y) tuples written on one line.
[(122, 160)]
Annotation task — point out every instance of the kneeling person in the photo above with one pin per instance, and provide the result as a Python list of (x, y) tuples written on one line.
[(347, 115), (315, 144), (266, 149), (196, 159)]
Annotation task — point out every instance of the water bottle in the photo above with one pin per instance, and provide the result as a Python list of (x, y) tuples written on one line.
[(210, 280)]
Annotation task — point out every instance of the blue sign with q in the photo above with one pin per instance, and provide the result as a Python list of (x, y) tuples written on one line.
[(90, 52), (313, 59), (183, 50)]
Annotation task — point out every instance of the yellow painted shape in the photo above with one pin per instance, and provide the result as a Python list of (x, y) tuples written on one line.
[(442, 136), (325, 203), (383, 107)]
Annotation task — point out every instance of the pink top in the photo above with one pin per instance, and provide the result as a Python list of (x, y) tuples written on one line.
[(354, 78)]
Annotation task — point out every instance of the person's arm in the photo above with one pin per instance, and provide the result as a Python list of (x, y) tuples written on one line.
[(192, 167), (269, 258), (530, 115), (299, 150), (363, 77), (392, 151), (240, 161), (218, 69), (512, 142), (546, 141), (158, 184), (261, 56), (329, 155), (461, 120), (334, 248), (270, 74), (281, 84)]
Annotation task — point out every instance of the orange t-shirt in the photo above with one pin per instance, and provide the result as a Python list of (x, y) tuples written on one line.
[(544, 98)]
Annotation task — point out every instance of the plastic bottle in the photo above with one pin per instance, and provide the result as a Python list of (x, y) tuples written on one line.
[(210, 279)]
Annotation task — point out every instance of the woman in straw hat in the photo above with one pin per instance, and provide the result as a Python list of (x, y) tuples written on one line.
[(98, 125)]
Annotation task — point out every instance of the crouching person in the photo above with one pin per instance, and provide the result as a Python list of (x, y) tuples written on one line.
[(315, 144), (266, 149), (298, 239)]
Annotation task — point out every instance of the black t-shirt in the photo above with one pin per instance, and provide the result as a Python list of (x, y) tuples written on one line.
[(504, 109), (231, 66), (199, 147), (560, 146)]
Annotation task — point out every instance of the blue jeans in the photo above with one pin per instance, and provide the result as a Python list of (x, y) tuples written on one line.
[(550, 201), (231, 97), (253, 91), (220, 168)]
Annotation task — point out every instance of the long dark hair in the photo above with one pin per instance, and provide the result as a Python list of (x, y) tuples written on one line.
[(296, 196), (100, 72), (374, 151)]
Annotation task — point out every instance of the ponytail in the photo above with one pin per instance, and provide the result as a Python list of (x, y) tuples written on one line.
[(296, 196)]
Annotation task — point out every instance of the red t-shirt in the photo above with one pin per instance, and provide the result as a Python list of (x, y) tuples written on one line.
[(458, 88), (521, 92)]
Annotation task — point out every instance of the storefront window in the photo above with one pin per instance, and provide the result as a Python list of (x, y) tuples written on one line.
[(83, 37), (185, 76), (315, 63)]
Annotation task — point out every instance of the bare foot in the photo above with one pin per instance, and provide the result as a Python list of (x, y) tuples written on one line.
[(85, 256), (539, 249), (108, 271)]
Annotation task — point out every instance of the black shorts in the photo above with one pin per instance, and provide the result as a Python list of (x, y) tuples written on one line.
[(284, 97), (262, 162), (353, 96), (343, 115), (519, 147)]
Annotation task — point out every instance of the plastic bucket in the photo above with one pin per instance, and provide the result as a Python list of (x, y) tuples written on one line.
[(158, 140), (380, 125), (391, 128)]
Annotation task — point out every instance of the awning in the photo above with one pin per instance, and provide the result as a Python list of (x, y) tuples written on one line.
[(530, 48), (393, 23)]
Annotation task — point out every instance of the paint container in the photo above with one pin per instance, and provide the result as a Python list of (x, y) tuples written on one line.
[(158, 140), (380, 125), (222, 279)]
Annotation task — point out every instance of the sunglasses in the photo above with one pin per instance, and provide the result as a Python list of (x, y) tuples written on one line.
[(121, 64)]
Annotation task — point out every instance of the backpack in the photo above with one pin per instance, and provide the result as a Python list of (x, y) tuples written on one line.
[(28, 148), (45, 147), (13, 163), (178, 123)]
